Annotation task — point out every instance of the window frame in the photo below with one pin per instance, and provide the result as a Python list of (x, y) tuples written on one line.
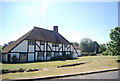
[(66, 45), (55, 44), (56, 54), (49, 54), (40, 54), (42, 42), (23, 57), (31, 42)]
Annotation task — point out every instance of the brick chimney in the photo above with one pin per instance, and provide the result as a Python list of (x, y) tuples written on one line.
[(55, 29)]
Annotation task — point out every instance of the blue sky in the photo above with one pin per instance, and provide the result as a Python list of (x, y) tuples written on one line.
[(76, 20)]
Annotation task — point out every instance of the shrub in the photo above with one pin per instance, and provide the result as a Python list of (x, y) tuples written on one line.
[(21, 70), (14, 59), (58, 58), (69, 56), (107, 52), (5, 71)]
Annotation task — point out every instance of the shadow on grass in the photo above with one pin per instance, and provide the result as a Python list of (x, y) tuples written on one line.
[(118, 60)]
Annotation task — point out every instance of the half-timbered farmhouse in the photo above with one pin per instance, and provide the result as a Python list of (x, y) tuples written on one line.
[(78, 50), (38, 44)]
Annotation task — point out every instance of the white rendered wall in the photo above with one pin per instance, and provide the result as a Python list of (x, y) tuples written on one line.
[(31, 48), (57, 48), (52, 54), (53, 48), (42, 47), (60, 46), (36, 56), (45, 46), (22, 47), (79, 52), (38, 43), (30, 56), (50, 44)]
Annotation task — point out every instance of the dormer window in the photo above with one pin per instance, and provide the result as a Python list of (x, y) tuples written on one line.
[(31, 42)]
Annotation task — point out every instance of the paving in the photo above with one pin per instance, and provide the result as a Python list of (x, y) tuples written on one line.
[(105, 75)]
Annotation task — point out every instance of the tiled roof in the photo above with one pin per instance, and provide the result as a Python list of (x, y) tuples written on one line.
[(77, 47)]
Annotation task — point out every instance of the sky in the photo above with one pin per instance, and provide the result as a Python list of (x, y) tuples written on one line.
[(75, 20)]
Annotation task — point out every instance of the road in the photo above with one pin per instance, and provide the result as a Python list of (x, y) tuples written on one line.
[(105, 75)]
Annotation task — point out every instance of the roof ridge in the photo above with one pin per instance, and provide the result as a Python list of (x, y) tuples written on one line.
[(42, 28)]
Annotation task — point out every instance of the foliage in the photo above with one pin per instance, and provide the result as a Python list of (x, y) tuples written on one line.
[(113, 47), (75, 43), (4, 45), (14, 58), (58, 58), (65, 57), (69, 56), (87, 45), (0, 48), (102, 48)]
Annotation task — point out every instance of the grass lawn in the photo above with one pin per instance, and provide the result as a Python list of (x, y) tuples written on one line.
[(95, 63)]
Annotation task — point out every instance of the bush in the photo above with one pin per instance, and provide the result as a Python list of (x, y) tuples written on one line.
[(14, 59), (58, 58), (21, 70), (69, 56), (5, 71), (107, 52)]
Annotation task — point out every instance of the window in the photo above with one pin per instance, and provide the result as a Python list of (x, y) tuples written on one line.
[(66, 45), (23, 57), (40, 55), (42, 42), (56, 54), (49, 54), (31, 42), (55, 44)]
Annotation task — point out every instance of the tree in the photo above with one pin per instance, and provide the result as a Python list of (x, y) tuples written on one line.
[(102, 48), (75, 43), (96, 47), (0, 48), (113, 47), (14, 59), (87, 45), (4, 45)]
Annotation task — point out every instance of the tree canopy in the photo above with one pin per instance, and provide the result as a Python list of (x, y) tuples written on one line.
[(113, 47), (87, 45), (102, 48), (75, 43), (4, 45), (0, 48)]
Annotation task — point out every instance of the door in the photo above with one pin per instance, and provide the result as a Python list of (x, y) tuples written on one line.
[(8, 57)]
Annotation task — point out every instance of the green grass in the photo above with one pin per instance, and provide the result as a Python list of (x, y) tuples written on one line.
[(95, 63)]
